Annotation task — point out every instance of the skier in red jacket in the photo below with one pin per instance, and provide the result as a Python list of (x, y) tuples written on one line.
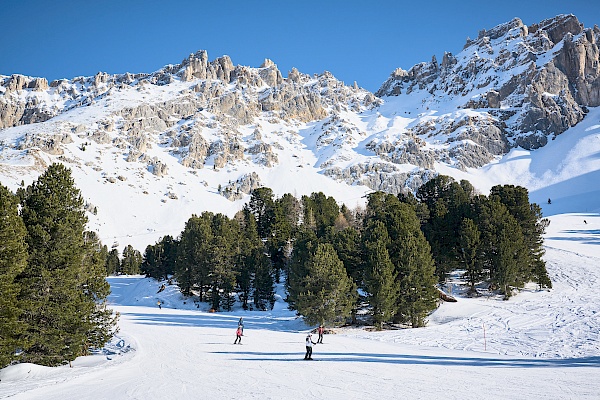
[(238, 336)]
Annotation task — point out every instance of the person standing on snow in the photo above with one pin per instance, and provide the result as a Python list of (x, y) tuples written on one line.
[(309, 345), (241, 325), (320, 330), (238, 335)]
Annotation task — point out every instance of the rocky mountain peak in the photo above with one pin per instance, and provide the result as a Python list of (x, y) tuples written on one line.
[(533, 82)]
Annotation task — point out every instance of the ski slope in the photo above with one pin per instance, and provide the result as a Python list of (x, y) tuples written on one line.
[(539, 344)]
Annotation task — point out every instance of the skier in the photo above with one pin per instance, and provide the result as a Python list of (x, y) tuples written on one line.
[(320, 330), (309, 345), (159, 305), (241, 324), (238, 335), (549, 201)]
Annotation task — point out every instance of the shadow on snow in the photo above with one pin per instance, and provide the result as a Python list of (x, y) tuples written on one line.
[(424, 360)]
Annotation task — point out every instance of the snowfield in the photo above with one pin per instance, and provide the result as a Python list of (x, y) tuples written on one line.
[(539, 344)]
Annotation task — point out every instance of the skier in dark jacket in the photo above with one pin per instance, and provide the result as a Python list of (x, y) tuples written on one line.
[(309, 345), (241, 324)]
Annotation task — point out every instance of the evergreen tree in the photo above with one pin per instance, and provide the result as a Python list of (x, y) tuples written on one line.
[(61, 290), (380, 276), (347, 246), (159, 260), (13, 260), (533, 226), (113, 262), (410, 253), (305, 244), (469, 242), (192, 264), (249, 250), (282, 231), (222, 274), (132, 261), (503, 246), (447, 203), (262, 206), (327, 293), (264, 289), (94, 285), (151, 262), (321, 210)]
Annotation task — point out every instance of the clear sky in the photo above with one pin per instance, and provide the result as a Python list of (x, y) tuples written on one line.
[(361, 41)]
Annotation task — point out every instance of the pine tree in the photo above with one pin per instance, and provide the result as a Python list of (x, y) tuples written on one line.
[(327, 293), (249, 248), (264, 292), (132, 261), (410, 253), (62, 291), (469, 242), (529, 218), (305, 244), (113, 262), (192, 263), (321, 210), (447, 203), (220, 258), (262, 206), (380, 276), (13, 260), (503, 246)]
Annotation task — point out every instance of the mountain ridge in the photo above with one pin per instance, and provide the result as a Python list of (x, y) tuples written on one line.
[(190, 135)]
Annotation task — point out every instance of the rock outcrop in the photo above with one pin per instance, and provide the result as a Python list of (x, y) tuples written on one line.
[(535, 81)]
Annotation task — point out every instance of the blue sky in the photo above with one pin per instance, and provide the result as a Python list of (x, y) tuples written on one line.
[(361, 41)]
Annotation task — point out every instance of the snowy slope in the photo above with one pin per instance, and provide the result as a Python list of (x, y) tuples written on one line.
[(536, 345)]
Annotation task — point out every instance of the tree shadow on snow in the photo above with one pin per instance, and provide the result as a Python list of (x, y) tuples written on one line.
[(216, 320), (425, 360)]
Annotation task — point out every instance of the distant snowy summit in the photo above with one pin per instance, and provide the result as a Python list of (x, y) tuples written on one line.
[(526, 84), (513, 86)]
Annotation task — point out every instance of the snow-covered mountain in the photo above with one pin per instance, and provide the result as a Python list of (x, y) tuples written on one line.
[(148, 150)]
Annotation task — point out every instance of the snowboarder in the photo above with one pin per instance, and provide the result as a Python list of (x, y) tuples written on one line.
[(241, 325), (585, 222), (549, 201), (159, 305), (309, 345), (320, 330), (238, 336)]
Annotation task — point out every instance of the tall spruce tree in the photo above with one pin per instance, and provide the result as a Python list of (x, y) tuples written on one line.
[(327, 293), (13, 260), (192, 263), (305, 244), (320, 210), (533, 225), (380, 275), (249, 249), (447, 203), (503, 247), (113, 262), (410, 253), (469, 241), (264, 289), (131, 261), (61, 286)]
